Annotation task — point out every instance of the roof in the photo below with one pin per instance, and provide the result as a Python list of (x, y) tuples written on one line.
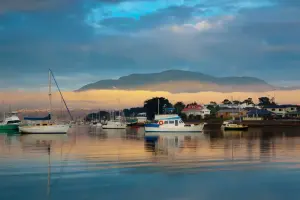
[(231, 110), (164, 117), (193, 107), (281, 106), (259, 112)]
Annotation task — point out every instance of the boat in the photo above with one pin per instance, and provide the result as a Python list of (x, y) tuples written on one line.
[(117, 123), (231, 125), (114, 124), (45, 126), (11, 122), (172, 123)]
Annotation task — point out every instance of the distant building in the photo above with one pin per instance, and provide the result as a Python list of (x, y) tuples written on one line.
[(281, 110), (230, 113), (259, 113), (196, 110), (242, 106)]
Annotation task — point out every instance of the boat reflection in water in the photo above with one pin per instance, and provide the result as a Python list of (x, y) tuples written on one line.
[(164, 143)]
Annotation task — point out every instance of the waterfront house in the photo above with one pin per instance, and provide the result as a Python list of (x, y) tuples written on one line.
[(295, 114), (231, 113), (281, 110), (236, 106), (259, 113), (196, 110)]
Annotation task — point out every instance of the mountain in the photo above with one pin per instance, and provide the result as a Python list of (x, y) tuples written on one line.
[(177, 81)]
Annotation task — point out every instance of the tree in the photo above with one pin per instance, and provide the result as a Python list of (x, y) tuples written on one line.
[(133, 111), (213, 109), (192, 104), (183, 116), (191, 116), (213, 103), (151, 106), (265, 101), (248, 101), (103, 115), (236, 102), (179, 106), (226, 102)]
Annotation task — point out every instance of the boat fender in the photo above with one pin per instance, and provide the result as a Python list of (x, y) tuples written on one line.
[(161, 122)]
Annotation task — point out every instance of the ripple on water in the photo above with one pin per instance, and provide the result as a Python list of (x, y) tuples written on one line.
[(85, 160)]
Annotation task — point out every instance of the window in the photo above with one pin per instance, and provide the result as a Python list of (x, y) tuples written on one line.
[(273, 109), (180, 121), (292, 108), (166, 122), (171, 122), (13, 121), (280, 109)]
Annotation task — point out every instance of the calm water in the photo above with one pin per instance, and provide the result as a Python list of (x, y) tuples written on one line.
[(97, 164)]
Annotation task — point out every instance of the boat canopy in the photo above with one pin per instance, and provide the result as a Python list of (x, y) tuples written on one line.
[(38, 118)]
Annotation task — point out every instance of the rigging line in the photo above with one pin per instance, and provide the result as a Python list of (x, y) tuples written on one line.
[(61, 94)]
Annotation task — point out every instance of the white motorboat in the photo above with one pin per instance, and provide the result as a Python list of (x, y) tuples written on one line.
[(172, 123), (45, 126), (231, 125), (114, 124)]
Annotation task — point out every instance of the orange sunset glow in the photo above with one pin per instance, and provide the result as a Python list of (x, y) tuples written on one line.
[(109, 99)]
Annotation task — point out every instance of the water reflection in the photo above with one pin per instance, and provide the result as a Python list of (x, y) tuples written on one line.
[(53, 161)]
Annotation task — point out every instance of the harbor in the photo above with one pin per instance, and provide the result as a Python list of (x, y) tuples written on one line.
[(99, 161)]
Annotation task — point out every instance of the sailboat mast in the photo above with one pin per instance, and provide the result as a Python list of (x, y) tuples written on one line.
[(3, 110), (50, 96), (158, 107)]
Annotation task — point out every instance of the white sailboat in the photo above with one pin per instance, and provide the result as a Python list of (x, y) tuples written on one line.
[(44, 125), (115, 124)]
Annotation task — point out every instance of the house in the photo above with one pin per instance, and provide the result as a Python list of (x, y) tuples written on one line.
[(196, 110), (294, 114), (281, 110), (230, 113), (259, 113), (236, 106)]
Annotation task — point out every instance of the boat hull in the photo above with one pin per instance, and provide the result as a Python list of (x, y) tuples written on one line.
[(235, 128), (113, 127), (196, 128), (9, 127), (53, 129)]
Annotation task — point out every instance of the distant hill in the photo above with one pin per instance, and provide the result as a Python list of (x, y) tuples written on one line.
[(177, 81)]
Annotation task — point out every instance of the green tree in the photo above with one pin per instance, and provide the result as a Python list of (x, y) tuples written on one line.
[(236, 102), (265, 101), (183, 116), (179, 106), (213, 103), (151, 106), (248, 101), (213, 109), (226, 102)]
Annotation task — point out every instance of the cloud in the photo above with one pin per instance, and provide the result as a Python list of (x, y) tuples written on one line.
[(107, 39), (107, 99), (30, 5)]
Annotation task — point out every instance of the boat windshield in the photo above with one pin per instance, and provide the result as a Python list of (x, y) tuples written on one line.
[(13, 121)]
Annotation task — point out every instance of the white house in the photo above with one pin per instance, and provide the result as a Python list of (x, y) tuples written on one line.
[(196, 110), (281, 110)]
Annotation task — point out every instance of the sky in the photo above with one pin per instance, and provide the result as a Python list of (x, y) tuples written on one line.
[(84, 41)]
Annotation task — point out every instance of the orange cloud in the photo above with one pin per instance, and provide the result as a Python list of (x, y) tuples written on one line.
[(107, 99)]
